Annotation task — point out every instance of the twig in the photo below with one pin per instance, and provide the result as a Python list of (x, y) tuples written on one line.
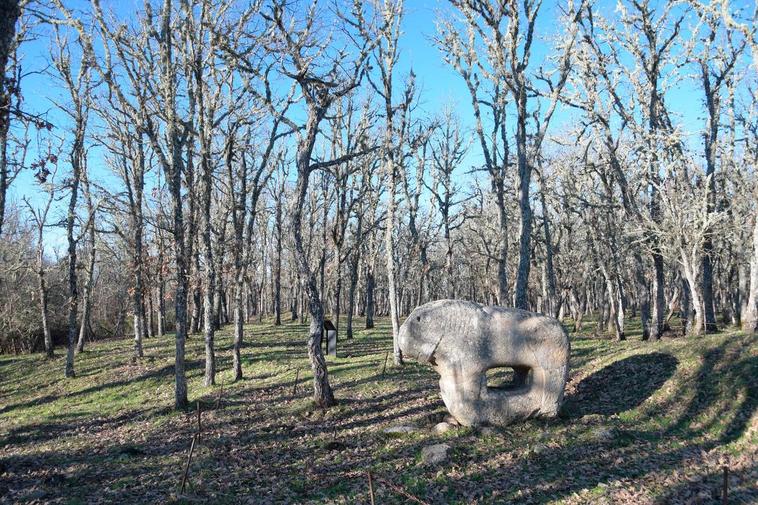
[(393, 487), (402, 491), (199, 424), (384, 368), (370, 488), (221, 392), (294, 384), (725, 489), (189, 460)]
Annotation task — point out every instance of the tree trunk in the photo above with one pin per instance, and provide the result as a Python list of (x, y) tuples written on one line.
[(698, 325), (578, 309), (9, 14), (138, 322), (713, 102), (659, 297), (370, 303), (43, 298), (708, 299), (173, 166), (239, 333), (209, 278), (219, 317), (525, 209), (322, 390), (337, 290), (278, 263), (150, 312), (161, 300), (750, 315), (502, 257), (552, 302), (197, 296), (295, 298), (137, 305), (85, 325), (643, 294), (686, 315), (354, 262), (390, 260), (620, 309), (180, 296), (73, 293)]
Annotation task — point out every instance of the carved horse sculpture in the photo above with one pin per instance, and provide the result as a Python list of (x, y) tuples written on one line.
[(462, 340)]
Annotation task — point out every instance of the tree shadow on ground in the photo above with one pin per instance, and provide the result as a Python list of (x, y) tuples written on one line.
[(265, 443), (620, 386), (721, 368), (634, 454), (165, 371)]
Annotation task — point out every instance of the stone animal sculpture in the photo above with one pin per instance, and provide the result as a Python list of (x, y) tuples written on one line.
[(462, 340)]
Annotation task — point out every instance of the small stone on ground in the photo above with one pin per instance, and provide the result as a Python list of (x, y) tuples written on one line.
[(434, 454), (451, 420), (603, 434), (442, 427)]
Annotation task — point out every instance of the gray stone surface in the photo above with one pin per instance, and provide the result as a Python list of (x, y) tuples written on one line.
[(451, 420), (434, 454), (442, 427), (462, 340), (400, 430), (537, 448), (603, 434)]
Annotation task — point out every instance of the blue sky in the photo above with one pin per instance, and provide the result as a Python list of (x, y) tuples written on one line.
[(439, 84)]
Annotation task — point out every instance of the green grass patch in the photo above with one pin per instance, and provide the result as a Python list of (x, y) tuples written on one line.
[(642, 422)]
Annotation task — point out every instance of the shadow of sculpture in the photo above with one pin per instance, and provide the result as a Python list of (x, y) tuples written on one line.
[(620, 386)]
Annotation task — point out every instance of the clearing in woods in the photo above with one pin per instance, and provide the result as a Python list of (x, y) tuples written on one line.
[(644, 422)]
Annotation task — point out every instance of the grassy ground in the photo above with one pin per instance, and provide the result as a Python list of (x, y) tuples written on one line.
[(644, 422)]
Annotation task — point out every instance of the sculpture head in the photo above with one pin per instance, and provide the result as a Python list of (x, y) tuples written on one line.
[(422, 332)]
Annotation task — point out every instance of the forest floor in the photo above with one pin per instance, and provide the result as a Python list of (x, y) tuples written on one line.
[(643, 422)]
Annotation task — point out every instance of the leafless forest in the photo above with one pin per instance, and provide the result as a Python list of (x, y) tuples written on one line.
[(203, 163)]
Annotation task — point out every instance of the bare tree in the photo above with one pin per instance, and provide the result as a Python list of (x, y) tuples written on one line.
[(384, 35), (598, 92), (10, 11), (278, 194), (157, 114), (127, 158), (350, 131), (750, 317), (447, 149), (214, 98), (660, 29), (684, 226), (504, 32), (77, 77), (749, 121), (364, 226), (552, 305), (413, 188), (716, 56), (85, 325), (322, 80), (40, 218)]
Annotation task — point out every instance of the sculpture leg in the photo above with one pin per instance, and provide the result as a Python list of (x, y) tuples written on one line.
[(461, 391)]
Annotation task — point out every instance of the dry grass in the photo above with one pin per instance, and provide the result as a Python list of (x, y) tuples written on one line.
[(644, 422)]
